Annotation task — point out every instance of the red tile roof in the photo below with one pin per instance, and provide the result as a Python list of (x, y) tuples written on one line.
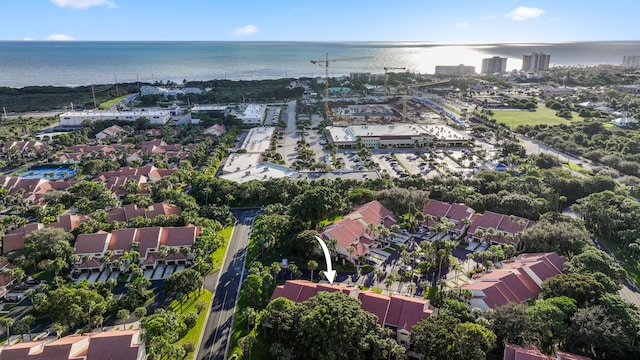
[(516, 281), (115, 345), (400, 312), (107, 345), (454, 212), (69, 221), (530, 352), (128, 212), (352, 229), (96, 243), (14, 240)]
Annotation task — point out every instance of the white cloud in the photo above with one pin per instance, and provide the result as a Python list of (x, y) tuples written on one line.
[(462, 25), (522, 13), (59, 37), (26, 38), (489, 17), (84, 4), (245, 30)]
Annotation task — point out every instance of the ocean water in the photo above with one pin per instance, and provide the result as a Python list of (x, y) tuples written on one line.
[(27, 63)]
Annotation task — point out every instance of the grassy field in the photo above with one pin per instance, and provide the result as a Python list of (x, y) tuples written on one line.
[(108, 104), (218, 255), (190, 306), (542, 116)]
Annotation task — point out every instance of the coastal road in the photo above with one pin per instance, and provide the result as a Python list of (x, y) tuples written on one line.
[(225, 288)]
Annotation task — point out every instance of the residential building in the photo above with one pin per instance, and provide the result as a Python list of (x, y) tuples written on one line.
[(455, 69), (459, 215), (513, 281), (14, 240), (111, 132), (91, 248), (397, 312), (75, 118), (106, 345), (5, 280), (494, 65), (624, 121), (216, 130), (131, 211), (535, 62), (530, 352), (357, 230), (30, 148), (631, 60), (497, 229)]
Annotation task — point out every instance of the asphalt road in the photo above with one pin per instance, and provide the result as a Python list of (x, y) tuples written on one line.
[(225, 285)]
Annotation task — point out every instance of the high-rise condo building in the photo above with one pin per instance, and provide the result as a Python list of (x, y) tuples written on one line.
[(631, 60), (535, 62), (494, 65)]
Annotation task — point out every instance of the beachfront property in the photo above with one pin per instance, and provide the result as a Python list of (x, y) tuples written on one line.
[(75, 118), (455, 69), (394, 136), (166, 92), (494, 65), (398, 313), (512, 281), (535, 62)]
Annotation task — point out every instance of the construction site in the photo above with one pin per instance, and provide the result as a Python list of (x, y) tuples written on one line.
[(399, 107)]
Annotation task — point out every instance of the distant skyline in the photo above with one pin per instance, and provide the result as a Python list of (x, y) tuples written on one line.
[(454, 21)]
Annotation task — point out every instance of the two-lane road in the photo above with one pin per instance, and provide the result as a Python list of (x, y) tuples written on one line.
[(227, 284)]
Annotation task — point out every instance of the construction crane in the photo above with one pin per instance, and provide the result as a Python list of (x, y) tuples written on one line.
[(416, 85), (326, 62), (386, 77)]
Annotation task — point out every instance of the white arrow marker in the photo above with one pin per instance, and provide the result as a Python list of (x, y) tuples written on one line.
[(330, 273)]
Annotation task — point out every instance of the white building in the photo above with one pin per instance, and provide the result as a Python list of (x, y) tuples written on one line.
[(624, 121), (455, 69), (398, 135), (253, 114), (260, 171), (258, 140), (165, 92), (75, 118)]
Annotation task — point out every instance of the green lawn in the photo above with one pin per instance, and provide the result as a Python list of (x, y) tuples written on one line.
[(218, 255), (108, 104), (328, 221), (190, 306), (542, 116)]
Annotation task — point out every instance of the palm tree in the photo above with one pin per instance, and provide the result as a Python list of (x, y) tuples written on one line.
[(312, 265), (7, 323), (388, 281), (174, 251), (411, 288), (163, 251), (351, 249)]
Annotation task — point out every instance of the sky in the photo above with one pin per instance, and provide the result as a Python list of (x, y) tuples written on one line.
[(449, 21)]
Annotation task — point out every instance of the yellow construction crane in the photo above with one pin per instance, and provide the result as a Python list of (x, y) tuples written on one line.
[(416, 85), (326, 62), (387, 78)]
